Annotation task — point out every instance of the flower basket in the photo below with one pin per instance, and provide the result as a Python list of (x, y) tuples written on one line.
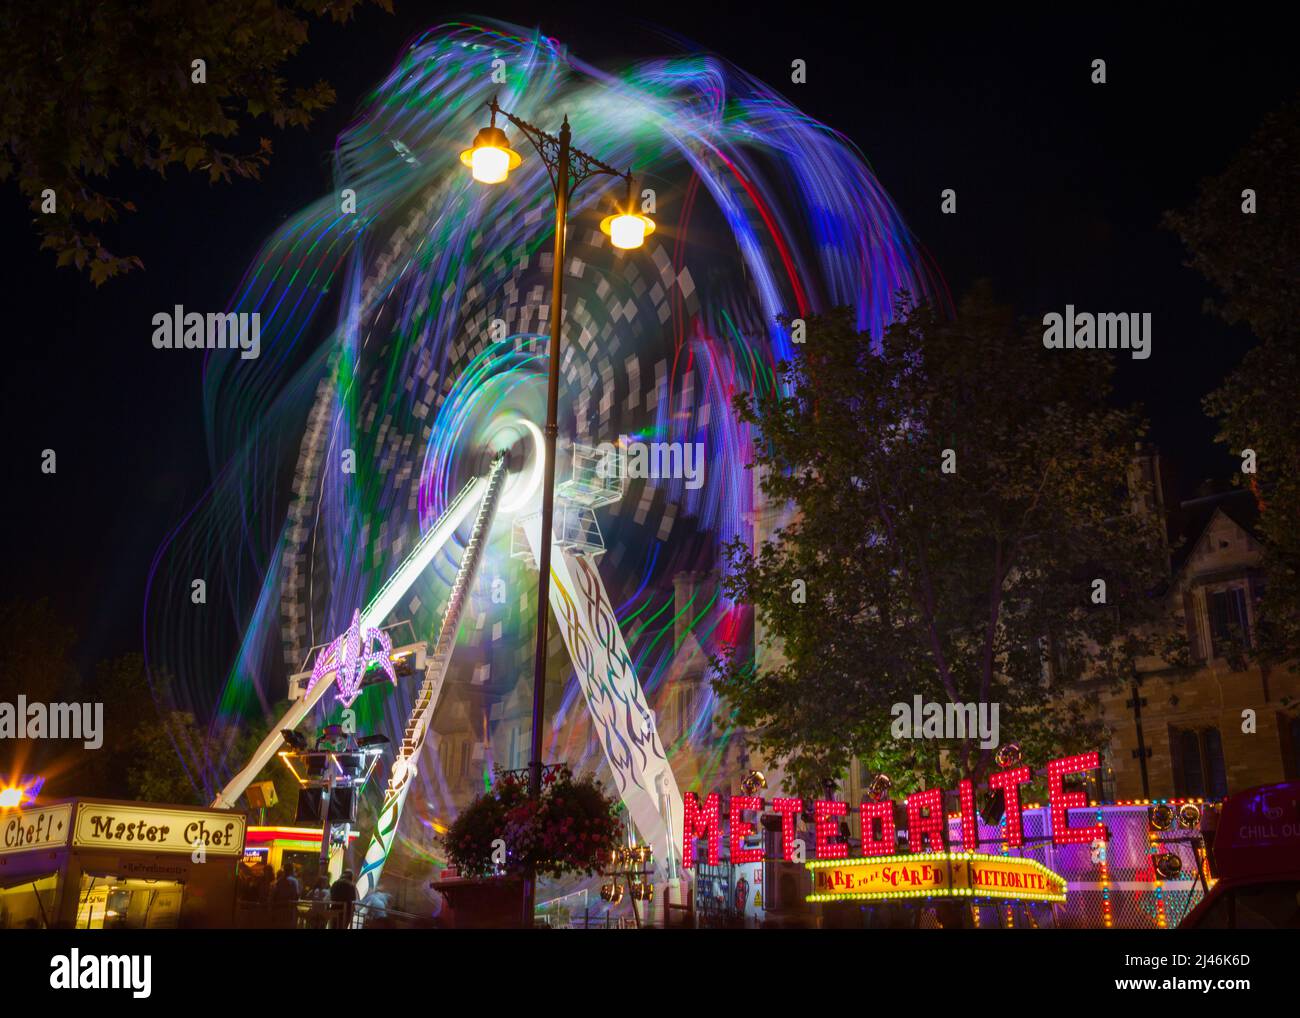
[(570, 828)]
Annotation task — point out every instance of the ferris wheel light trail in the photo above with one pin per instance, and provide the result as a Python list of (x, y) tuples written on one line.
[(763, 211), (372, 617)]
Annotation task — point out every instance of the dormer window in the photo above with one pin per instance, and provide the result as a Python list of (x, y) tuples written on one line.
[(1229, 621)]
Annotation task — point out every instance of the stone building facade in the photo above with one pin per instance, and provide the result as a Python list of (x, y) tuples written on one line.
[(1225, 721)]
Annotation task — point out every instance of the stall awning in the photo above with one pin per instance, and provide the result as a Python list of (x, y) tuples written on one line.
[(8, 881)]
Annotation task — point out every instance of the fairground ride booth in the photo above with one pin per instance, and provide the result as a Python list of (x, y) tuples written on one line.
[(299, 847), (103, 864)]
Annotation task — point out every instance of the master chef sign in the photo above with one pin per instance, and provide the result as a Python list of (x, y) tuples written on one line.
[(138, 828)]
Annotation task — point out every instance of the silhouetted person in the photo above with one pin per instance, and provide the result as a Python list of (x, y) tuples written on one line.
[(375, 909), (265, 884), (344, 892), (284, 898), (319, 896), (287, 887)]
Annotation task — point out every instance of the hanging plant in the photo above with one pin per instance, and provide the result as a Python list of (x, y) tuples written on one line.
[(571, 827)]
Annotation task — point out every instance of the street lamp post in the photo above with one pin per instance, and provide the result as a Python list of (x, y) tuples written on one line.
[(490, 160)]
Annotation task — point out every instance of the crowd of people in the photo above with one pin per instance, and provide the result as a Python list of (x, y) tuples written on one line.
[(282, 898)]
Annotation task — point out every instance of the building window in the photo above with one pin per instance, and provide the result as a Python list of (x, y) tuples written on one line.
[(685, 709), (1190, 773), (1199, 771), (1229, 624), (1215, 773), (456, 770)]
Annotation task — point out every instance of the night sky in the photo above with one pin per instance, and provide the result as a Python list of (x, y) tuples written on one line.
[(1060, 184)]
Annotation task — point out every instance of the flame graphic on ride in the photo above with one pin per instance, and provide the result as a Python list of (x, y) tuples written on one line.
[(347, 655)]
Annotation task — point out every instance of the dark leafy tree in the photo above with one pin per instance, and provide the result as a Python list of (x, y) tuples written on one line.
[(36, 661), (970, 586), (1253, 258), (91, 87), (36, 651), (121, 686), (170, 753)]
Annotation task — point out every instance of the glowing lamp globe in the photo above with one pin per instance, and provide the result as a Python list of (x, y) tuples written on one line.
[(11, 798), (490, 159), (1168, 865), (1008, 755), (627, 230), (1160, 817)]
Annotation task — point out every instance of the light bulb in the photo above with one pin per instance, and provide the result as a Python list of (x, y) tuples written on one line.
[(627, 231), (489, 165)]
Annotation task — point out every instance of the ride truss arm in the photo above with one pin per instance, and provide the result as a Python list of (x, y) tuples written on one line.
[(426, 702), (384, 601), (623, 720)]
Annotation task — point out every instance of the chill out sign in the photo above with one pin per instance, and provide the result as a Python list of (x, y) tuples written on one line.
[(927, 824)]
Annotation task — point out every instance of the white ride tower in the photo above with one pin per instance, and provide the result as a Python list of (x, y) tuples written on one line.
[(622, 719)]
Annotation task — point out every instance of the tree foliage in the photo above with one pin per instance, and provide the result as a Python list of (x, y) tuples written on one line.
[(1252, 258), (36, 651), (150, 749), (959, 586), (170, 755), (95, 86), (1257, 409), (1254, 261)]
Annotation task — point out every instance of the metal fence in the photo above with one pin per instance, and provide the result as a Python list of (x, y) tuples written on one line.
[(602, 921), (326, 915)]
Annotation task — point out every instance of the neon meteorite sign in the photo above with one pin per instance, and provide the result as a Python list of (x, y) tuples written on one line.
[(934, 875), (929, 868)]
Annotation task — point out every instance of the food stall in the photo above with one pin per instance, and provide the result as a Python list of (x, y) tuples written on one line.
[(91, 863)]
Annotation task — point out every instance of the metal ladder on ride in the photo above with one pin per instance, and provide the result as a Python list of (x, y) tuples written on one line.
[(426, 700), (436, 670)]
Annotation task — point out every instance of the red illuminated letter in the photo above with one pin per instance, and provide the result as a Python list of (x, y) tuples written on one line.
[(925, 828), (1010, 781), (788, 809), (886, 843), (1062, 801), (740, 827), (827, 813), (700, 822), (970, 832)]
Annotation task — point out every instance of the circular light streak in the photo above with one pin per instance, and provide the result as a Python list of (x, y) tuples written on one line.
[(382, 411), (526, 484)]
